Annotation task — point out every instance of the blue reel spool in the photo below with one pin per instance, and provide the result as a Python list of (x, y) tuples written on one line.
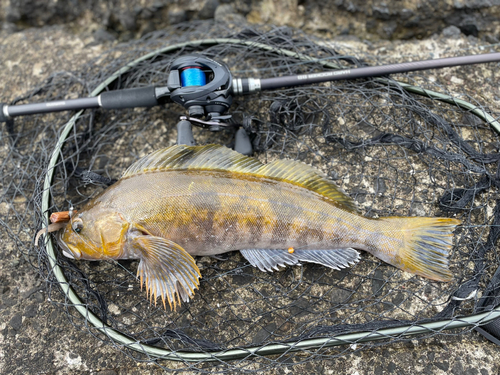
[(193, 76)]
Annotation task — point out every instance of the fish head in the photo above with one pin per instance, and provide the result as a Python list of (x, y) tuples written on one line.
[(94, 234)]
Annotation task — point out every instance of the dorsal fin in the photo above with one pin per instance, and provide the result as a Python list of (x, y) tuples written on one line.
[(217, 157)]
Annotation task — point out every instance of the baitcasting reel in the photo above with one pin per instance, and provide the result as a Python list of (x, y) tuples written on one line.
[(204, 87)]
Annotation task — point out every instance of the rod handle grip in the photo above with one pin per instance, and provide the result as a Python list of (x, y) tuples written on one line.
[(129, 98)]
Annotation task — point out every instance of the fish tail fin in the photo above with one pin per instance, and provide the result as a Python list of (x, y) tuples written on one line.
[(421, 246)]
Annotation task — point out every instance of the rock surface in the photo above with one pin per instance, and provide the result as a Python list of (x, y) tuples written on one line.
[(36, 337), (372, 20)]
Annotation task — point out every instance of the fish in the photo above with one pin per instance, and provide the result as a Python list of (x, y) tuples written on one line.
[(182, 201)]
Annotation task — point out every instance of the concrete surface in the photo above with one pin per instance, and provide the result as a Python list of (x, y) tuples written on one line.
[(36, 336)]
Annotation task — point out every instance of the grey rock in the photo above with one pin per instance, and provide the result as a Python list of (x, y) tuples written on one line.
[(31, 311), (451, 32), (9, 27), (244, 278), (127, 20), (226, 13), (458, 367), (391, 368), (40, 12), (242, 6), (389, 29), (472, 4), (339, 295), (378, 282), (148, 28), (16, 322), (7, 302), (25, 340), (102, 36), (38, 296), (146, 13), (12, 14), (223, 10), (108, 372), (381, 12), (406, 14), (30, 292), (208, 10), (264, 333), (157, 5), (491, 39), (347, 38), (177, 16)]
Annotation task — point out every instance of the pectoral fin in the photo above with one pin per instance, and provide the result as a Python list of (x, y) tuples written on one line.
[(166, 268)]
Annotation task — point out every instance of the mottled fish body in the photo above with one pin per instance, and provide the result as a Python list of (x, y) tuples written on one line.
[(184, 201), (210, 213)]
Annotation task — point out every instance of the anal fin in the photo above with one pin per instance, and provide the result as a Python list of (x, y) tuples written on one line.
[(271, 259)]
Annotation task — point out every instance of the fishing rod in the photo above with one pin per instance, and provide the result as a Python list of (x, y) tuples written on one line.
[(206, 88)]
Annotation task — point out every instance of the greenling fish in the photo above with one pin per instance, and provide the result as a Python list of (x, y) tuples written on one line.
[(182, 201)]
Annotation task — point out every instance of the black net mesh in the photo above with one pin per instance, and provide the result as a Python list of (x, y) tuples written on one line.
[(394, 152)]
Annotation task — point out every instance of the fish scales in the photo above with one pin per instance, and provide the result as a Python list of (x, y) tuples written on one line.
[(182, 201), (209, 213)]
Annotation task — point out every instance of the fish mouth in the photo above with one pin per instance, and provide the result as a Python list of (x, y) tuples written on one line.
[(67, 252)]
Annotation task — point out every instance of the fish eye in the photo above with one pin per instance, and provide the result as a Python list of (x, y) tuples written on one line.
[(77, 225)]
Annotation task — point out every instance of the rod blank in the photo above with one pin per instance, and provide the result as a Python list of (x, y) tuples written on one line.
[(376, 71)]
